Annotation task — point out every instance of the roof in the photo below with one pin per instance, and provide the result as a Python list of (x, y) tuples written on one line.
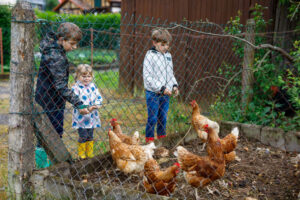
[(78, 3)]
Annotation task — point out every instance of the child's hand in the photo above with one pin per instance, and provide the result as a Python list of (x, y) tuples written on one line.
[(84, 111), (167, 92), (91, 108), (176, 91)]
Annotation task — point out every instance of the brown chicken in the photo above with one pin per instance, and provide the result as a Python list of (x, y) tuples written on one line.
[(129, 158), (124, 138), (228, 143), (157, 181), (198, 121), (199, 171)]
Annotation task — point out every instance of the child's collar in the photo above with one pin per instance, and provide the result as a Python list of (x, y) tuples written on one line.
[(153, 49), (80, 84)]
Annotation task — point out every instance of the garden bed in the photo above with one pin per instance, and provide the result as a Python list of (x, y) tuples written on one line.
[(264, 172)]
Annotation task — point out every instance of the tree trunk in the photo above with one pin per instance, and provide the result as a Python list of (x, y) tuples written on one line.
[(20, 139)]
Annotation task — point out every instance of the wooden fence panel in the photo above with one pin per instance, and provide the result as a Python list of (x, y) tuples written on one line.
[(194, 53)]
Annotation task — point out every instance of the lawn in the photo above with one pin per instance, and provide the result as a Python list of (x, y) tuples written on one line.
[(3, 159)]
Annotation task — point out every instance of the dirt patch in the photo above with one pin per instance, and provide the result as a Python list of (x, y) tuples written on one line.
[(263, 173)]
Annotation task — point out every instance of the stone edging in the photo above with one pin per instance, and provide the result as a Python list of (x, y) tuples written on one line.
[(275, 137)]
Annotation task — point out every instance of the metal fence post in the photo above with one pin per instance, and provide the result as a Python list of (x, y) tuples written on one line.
[(247, 75), (21, 137)]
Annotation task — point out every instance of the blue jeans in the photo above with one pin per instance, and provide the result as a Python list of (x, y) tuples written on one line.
[(85, 134), (157, 106), (57, 119)]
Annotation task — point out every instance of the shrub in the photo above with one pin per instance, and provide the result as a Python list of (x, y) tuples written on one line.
[(5, 16), (267, 72), (106, 27)]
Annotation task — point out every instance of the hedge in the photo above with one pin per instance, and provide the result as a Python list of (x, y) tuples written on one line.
[(5, 17), (106, 27)]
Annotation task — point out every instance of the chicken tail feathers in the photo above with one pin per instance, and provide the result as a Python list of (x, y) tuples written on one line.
[(235, 132), (136, 134)]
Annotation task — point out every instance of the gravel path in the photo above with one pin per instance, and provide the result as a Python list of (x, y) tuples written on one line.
[(4, 94)]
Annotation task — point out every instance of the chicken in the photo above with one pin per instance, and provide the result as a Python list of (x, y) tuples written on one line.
[(283, 100), (199, 171), (228, 143), (157, 181), (129, 158), (198, 121), (124, 138)]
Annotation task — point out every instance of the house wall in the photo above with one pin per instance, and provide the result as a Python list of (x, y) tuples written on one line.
[(8, 2), (40, 4), (70, 8)]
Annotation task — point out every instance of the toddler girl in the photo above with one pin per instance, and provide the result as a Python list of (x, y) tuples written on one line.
[(88, 93)]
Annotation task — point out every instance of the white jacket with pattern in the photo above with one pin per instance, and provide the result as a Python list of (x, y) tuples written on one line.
[(158, 71)]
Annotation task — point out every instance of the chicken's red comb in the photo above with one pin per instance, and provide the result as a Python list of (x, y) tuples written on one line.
[(113, 119), (177, 164), (205, 126), (193, 101)]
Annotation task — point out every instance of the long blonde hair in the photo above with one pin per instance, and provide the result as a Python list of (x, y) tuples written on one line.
[(83, 69)]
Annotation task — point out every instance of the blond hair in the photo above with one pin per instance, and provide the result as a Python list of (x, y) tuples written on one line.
[(69, 31), (83, 69), (161, 35)]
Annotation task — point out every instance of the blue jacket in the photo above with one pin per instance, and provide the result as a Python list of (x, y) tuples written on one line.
[(52, 90)]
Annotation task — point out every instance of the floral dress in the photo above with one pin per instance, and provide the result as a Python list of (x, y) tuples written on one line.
[(90, 96)]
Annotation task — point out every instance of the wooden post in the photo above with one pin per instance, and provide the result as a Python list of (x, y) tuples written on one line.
[(1, 49), (247, 74), (50, 140), (21, 137), (92, 45), (127, 37)]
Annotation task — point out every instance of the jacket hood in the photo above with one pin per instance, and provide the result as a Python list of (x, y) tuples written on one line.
[(50, 42)]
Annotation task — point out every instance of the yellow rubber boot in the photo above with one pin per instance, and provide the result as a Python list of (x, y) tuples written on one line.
[(90, 149), (82, 150)]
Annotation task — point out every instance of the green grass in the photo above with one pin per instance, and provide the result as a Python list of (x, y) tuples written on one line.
[(3, 159), (4, 106)]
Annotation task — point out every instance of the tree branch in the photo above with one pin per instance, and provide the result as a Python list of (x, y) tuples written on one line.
[(262, 46)]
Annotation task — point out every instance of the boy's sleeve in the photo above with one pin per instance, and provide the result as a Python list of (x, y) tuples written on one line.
[(99, 98), (58, 69), (150, 81)]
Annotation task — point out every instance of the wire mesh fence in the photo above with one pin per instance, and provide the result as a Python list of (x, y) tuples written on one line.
[(116, 76)]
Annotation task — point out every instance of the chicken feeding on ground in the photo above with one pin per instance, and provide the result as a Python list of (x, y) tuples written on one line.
[(198, 121), (134, 140), (228, 143), (157, 181), (199, 171), (129, 158)]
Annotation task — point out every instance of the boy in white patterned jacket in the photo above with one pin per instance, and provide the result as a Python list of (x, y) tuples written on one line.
[(89, 94), (159, 82)]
